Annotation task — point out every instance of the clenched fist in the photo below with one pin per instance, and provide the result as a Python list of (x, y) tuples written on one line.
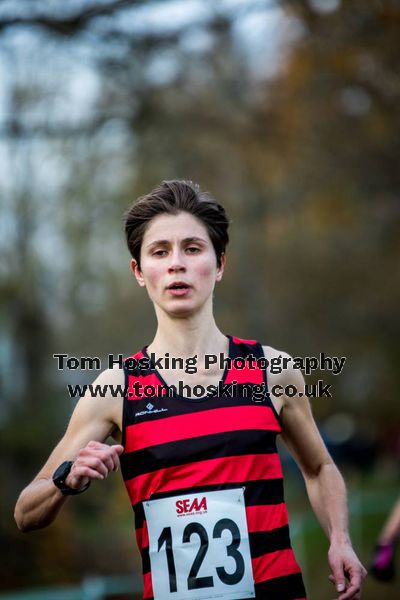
[(94, 461)]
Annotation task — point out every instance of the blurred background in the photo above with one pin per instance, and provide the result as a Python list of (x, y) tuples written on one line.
[(288, 112)]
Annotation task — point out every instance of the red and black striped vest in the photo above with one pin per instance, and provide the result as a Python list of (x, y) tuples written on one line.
[(177, 445)]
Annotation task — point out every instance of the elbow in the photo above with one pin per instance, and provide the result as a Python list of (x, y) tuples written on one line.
[(24, 524), (31, 510), (319, 469), (19, 519), (23, 518)]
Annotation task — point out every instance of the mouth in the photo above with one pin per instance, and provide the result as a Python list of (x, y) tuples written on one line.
[(178, 288)]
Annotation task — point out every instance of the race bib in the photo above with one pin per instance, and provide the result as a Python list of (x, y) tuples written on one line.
[(199, 546)]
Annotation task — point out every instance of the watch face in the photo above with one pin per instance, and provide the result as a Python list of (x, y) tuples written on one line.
[(62, 471)]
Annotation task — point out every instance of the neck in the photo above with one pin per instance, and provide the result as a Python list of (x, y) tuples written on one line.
[(187, 336)]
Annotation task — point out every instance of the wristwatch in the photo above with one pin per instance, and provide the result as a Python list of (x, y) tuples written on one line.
[(61, 474)]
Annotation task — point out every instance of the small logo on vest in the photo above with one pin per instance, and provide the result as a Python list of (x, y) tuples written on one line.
[(150, 410)]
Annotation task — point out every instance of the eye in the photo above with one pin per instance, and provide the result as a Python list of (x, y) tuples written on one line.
[(192, 249), (159, 253)]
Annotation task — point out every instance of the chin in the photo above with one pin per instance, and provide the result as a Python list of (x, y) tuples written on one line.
[(182, 309)]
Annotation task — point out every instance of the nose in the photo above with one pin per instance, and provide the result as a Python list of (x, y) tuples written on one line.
[(177, 261)]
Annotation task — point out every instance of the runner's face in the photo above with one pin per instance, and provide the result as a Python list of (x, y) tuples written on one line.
[(177, 249)]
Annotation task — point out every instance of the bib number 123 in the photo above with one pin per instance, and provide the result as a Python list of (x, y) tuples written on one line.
[(199, 546)]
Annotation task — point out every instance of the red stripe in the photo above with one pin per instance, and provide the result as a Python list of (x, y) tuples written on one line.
[(274, 564), (142, 536), (147, 586), (245, 375), (136, 356), (232, 469), (242, 341), (208, 422), (266, 517), (143, 380)]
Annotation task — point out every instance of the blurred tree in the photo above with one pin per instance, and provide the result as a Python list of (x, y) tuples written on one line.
[(101, 101)]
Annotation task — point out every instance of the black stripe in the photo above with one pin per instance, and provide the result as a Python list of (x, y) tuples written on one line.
[(176, 407), (262, 542), (289, 587), (125, 411), (195, 449), (256, 492), (145, 560), (243, 350)]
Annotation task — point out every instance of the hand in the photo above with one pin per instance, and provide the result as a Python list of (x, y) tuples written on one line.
[(345, 565), (94, 461)]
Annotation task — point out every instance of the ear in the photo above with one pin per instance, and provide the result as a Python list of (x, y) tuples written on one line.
[(137, 273), (220, 270)]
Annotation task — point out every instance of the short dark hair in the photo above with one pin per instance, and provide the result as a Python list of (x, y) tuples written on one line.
[(173, 197)]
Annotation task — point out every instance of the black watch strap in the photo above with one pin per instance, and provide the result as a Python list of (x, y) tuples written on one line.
[(59, 477)]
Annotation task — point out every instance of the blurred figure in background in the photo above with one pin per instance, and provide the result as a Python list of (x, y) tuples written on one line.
[(382, 564)]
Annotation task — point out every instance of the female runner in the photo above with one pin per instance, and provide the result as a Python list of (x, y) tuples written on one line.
[(196, 429)]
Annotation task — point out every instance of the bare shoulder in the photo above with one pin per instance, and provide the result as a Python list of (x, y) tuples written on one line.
[(270, 352), (281, 368), (105, 396), (114, 376), (98, 413)]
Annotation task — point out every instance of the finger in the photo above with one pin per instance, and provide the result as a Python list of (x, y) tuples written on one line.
[(118, 448), (93, 463), (94, 444), (338, 577), (351, 593), (107, 459), (109, 455), (116, 464), (99, 452), (355, 577), (113, 454), (86, 471), (105, 453)]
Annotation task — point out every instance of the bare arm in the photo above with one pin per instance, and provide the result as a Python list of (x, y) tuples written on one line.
[(325, 485), (92, 421)]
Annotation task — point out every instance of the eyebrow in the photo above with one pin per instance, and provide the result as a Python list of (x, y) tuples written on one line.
[(187, 240)]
